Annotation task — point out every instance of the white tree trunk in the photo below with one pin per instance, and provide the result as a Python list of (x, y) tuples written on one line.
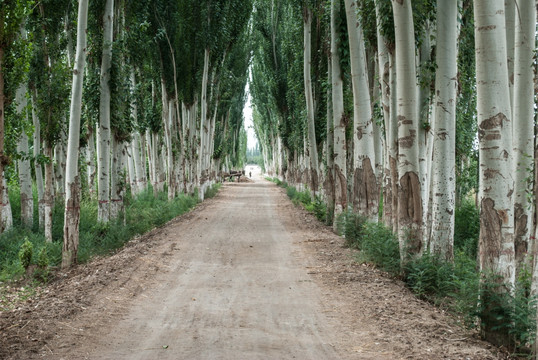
[(25, 173), (339, 121), (202, 152), (140, 175), (90, 162), (495, 145), (496, 242), (37, 165), (311, 139), (7, 215), (523, 130), (409, 191), (444, 147), (117, 179), (103, 134), (60, 161), (388, 92), (511, 15), (72, 184), (365, 196), (48, 197)]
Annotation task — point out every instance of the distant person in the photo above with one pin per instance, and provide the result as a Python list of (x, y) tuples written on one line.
[(250, 174)]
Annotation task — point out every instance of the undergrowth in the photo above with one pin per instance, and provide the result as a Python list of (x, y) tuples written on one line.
[(316, 206), (477, 300), (141, 214), (456, 287)]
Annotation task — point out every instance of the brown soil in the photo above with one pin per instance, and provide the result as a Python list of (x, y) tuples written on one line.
[(246, 275)]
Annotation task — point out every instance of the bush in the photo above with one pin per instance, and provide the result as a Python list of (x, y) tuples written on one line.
[(41, 273), (18, 245), (467, 228), (351, 226), (25, 253)]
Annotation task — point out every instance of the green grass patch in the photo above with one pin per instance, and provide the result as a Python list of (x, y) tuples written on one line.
[(454, 286), (304, 198), (22, 247)]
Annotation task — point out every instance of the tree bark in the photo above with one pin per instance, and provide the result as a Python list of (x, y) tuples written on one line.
[(25, 173), (37, 165), (48, 197), (365, 192), (103, 134), (311, 139), (444, 147), (523, 130), (3, 158), (339, 119), (409, 187), (72, 185), (390, 139), (202, 152), (496, 242)]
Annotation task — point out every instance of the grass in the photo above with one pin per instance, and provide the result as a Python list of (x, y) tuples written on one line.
[(141, 214), (458, 287), (316, 206)]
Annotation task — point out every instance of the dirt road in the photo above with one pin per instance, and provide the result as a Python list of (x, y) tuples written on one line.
[(246, 275)]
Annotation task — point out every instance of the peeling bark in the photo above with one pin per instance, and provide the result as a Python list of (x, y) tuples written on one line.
[(365, 189), (410, 214), (71, 226)]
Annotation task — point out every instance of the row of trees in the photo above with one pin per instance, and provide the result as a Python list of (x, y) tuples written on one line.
[(157, 93), (360, 101)]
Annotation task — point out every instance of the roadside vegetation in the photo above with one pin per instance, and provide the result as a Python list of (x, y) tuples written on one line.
[(453, 286), (26, 255)]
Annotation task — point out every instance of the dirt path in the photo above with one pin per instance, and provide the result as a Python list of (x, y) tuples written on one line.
[(246, 275)]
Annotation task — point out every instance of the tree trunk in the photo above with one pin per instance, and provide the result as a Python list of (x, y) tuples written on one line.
[(59, 159), (329, 180), (523, 131), (390, 141), (3, 158), (72, 184), (365, 195), (37, 165), (511, 15), (7, 215), (496, 243), (140, 175), (90, 161), (444, 147), (48, 198), (311, 139), (103, 134), (117, 179), (409, 191), (203, 130), (339, 120), (25, 172)]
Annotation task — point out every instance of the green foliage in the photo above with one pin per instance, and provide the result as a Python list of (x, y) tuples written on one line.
[(41, 273), (350, 225), (467, 228), (212, 191), (380, 246), (304, 198), (318, 208), (142, 214), (509, 314), (25, 253)]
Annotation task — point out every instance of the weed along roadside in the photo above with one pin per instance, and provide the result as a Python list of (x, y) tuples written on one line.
[(455, 287), (27, 258)]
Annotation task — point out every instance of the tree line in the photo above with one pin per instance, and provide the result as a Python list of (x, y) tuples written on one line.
[(399, 111), (104, 96), (396, 110)]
